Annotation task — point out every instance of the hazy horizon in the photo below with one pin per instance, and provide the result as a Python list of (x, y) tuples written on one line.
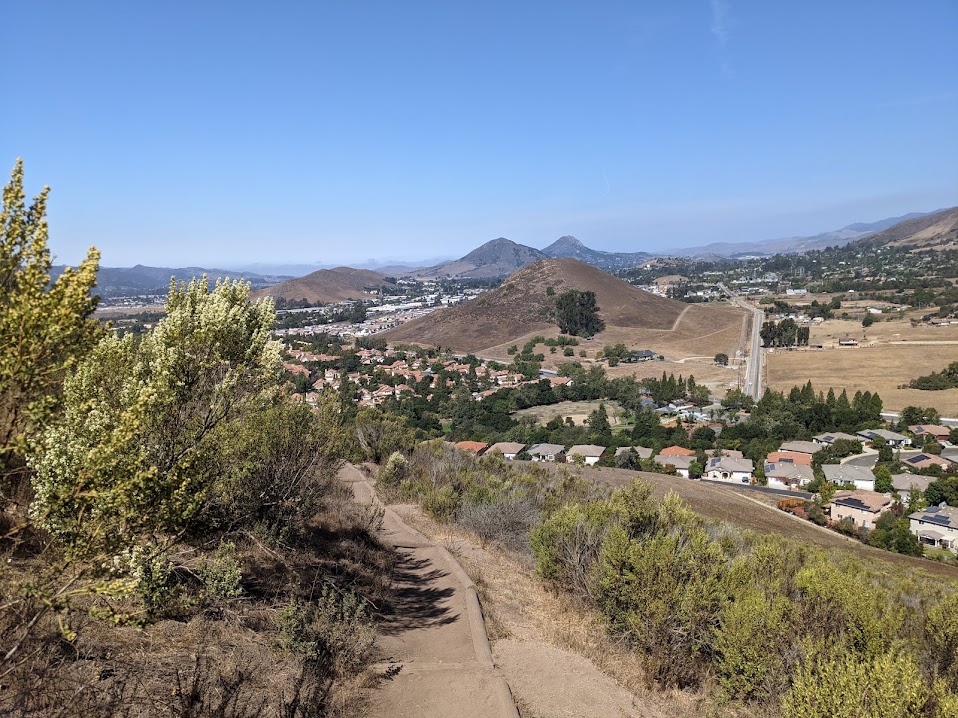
[(239, 134)]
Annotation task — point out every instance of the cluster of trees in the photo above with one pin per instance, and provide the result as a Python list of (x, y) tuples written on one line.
[(947, 378), (786, 333), (802, 413), (577, 313), (815, 309)]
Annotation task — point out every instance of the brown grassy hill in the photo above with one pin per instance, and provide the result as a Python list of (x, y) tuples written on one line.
[(521, 305), (933, 231), (327, 286)]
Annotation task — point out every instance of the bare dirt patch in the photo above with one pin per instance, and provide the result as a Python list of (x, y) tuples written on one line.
[(578, 410)]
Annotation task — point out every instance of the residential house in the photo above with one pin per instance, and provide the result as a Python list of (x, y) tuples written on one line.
[(892, 438), (676, 451), (936, 526), (831, 438), (723, 468), (862, 507), (509, 449), (924, 461), (789, 457), (847, 342), (297, 369), (641, 355), (475, 447), (801, 447), (788, 475), (589, 452), (862, 479), (681, 463), (546, 452), (936, 431), (905, 484)]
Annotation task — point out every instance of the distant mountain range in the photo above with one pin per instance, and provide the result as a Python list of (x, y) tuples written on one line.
[(937, 230), (501, 257), (569, 246), (126, 281), (792, 245)]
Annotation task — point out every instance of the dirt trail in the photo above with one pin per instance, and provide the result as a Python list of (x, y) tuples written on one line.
[(532, 636), (435, 637)]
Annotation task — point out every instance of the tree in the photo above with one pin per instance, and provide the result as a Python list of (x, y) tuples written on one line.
[(599, 425), (277, 464), (577, 313), (943, 489), (616, 353), (883, 483), (721, 359), (868, 320), (911, 415), (45, 328)]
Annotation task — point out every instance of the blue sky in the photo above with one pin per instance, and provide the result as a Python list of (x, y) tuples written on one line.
[(229, 133)]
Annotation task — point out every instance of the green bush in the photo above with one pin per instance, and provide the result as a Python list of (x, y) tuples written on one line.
[(222, 574), (748, 637), (152, 572), (664, 594), (832, 683), (441, 503), (394, 471), (334, 630)]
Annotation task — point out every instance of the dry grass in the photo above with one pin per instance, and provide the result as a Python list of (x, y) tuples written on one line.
[(892, 353), (700, 332), (202, 657), (704, 369), (578, 410), (518, 311)]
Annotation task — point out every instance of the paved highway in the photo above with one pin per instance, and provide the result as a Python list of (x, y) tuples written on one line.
[(753, 366)]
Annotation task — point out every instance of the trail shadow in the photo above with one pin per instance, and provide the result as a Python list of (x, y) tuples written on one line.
[(414, 601)]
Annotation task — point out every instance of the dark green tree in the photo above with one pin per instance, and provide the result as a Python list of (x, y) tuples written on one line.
[(577, 313)]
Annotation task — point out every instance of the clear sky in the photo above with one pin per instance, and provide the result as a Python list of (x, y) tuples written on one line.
[(224, 133)]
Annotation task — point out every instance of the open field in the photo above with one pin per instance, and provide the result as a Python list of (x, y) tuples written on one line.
[(891, 353), (120, 312), (701, 330), (690, 345), (758, 514), (578, 410), (704, 369)]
